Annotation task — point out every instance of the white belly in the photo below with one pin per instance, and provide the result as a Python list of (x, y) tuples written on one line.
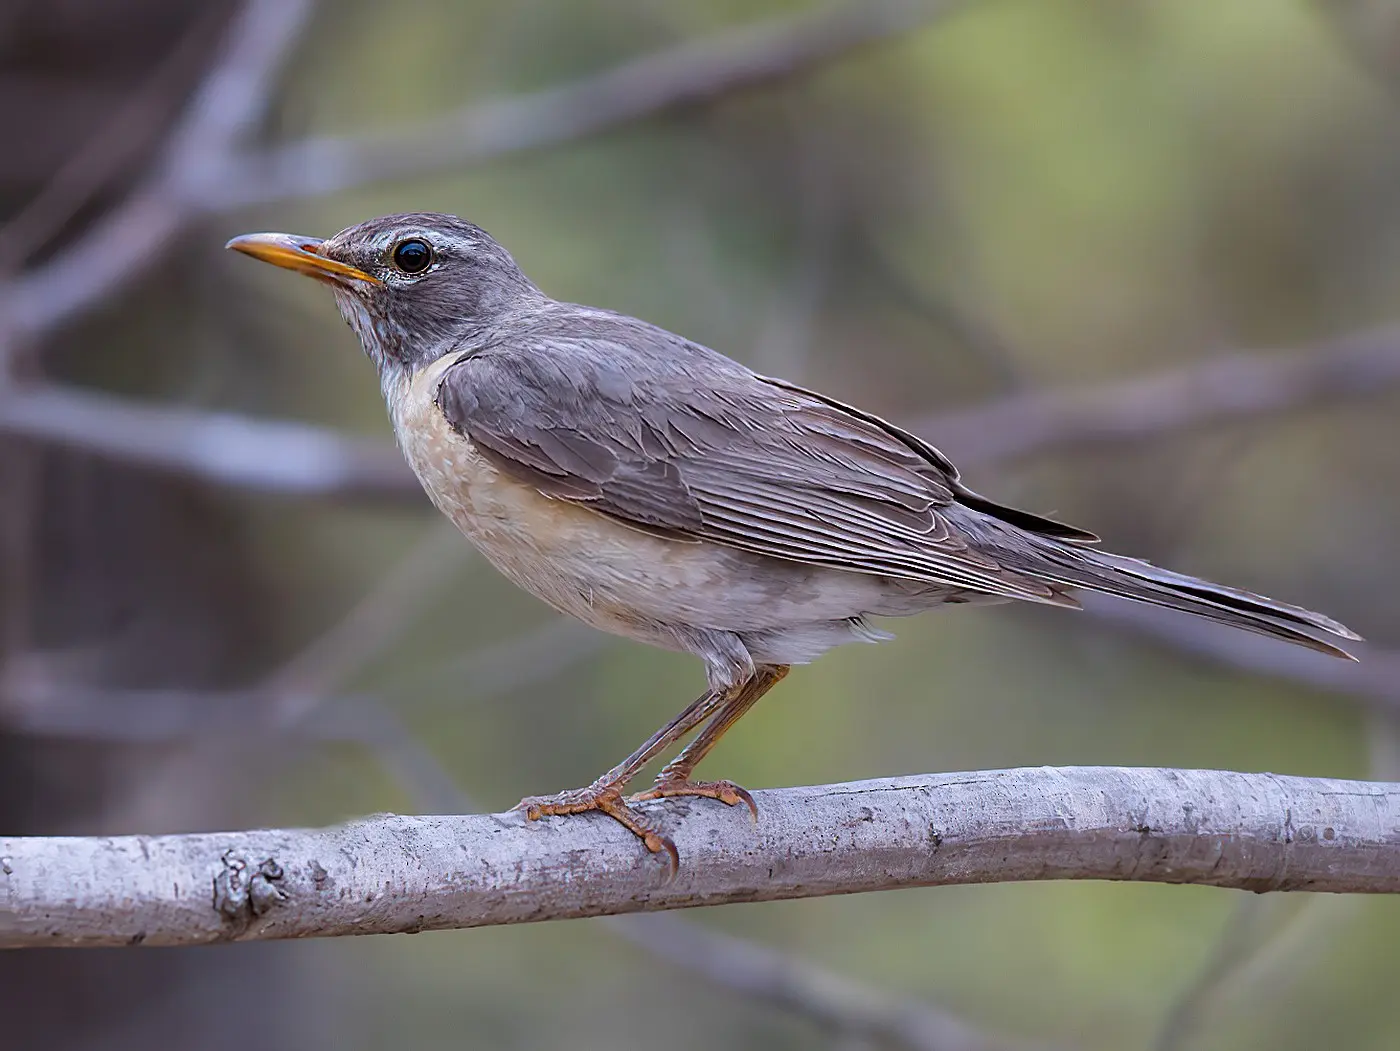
[(592, 567)]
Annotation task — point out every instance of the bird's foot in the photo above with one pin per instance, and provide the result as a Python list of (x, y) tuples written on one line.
[(727, 792), (606, 798)]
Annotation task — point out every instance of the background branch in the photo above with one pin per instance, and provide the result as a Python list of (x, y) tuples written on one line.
[(297, 459), (1237, 386), (686, 75), (1374, 681), (227, 106), (758, 972), (217, 448), (1258, 832), (203, 173)]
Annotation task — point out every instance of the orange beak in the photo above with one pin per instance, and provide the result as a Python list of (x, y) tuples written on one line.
[(302, 254)]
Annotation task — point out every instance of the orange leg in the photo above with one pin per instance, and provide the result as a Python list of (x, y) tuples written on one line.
[(605, 794), (674, 779)]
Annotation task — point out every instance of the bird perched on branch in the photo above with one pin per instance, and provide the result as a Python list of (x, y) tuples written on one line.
[(656, 489)]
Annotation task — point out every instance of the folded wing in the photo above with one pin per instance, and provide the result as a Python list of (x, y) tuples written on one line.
[(723, 455)]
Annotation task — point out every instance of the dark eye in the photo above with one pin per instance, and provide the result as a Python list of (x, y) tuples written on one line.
[(413, 256)]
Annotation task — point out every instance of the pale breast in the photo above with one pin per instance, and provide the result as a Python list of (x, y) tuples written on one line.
[(585, 564), (576, 560)]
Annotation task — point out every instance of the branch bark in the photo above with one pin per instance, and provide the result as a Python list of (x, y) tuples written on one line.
[(390, 874)]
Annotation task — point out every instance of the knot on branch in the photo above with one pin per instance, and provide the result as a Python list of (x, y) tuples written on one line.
[(243, 892)]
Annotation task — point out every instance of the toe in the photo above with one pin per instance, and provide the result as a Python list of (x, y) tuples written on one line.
[(607, 800), (727, 792)]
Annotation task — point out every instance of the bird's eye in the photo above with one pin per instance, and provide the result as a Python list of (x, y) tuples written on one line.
[(413, 256)]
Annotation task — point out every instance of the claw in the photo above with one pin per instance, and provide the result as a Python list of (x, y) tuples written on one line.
[(656, 843), (607, 800), (727, 792)]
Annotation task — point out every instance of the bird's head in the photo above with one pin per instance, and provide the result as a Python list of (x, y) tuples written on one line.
[(412, 286)]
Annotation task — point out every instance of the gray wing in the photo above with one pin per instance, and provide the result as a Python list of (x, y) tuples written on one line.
[(680, 441)]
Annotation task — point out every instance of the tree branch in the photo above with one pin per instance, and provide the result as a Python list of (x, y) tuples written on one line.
[(1374, 681), (219, 448), (838, 1004), (203, 172), (222, 112), (1232, 387), (1259, 832), (689, 74), (297, 459)]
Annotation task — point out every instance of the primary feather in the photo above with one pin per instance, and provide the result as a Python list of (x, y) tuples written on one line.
[(675, 439)]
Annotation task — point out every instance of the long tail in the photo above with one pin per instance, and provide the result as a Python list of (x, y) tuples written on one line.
[(1059, 554), (1131, 578)]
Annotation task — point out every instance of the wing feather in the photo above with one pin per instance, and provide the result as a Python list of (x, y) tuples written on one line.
[(671, 438)]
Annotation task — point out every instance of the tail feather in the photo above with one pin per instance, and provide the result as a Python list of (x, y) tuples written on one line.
[(1141, 581)]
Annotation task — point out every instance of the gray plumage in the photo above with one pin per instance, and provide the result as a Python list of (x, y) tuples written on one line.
[(669, 437), (656, 489)]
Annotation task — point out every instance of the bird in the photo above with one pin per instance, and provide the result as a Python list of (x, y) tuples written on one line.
[(656, 489)]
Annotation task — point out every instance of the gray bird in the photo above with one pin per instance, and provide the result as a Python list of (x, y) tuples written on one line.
[(656, 489)]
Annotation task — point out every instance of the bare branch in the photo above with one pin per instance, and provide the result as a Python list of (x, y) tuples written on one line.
[(296, 459), (760, 973), (203, 173), (1374, 680), (227, 106), (1233, 387), (1238, 943), (687, 75), (225, 449), (1259, 832)]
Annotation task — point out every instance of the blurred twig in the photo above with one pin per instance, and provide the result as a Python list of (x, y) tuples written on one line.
[(1237, 943), (686, 75), (555, 646), (367, 629), (785, 337), (38, 697), (943, 309), (40, 708), (1236, 386), (227, 106), (203, 173), (1258, 832), (838, 1004), (118, 144), (297, 459), (1374, 681), (217, 448)]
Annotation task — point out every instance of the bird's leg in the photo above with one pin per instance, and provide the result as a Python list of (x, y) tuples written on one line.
[(674, 779), (605, 794)]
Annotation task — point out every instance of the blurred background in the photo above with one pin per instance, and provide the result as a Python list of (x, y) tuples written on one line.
[(1134, 264)]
